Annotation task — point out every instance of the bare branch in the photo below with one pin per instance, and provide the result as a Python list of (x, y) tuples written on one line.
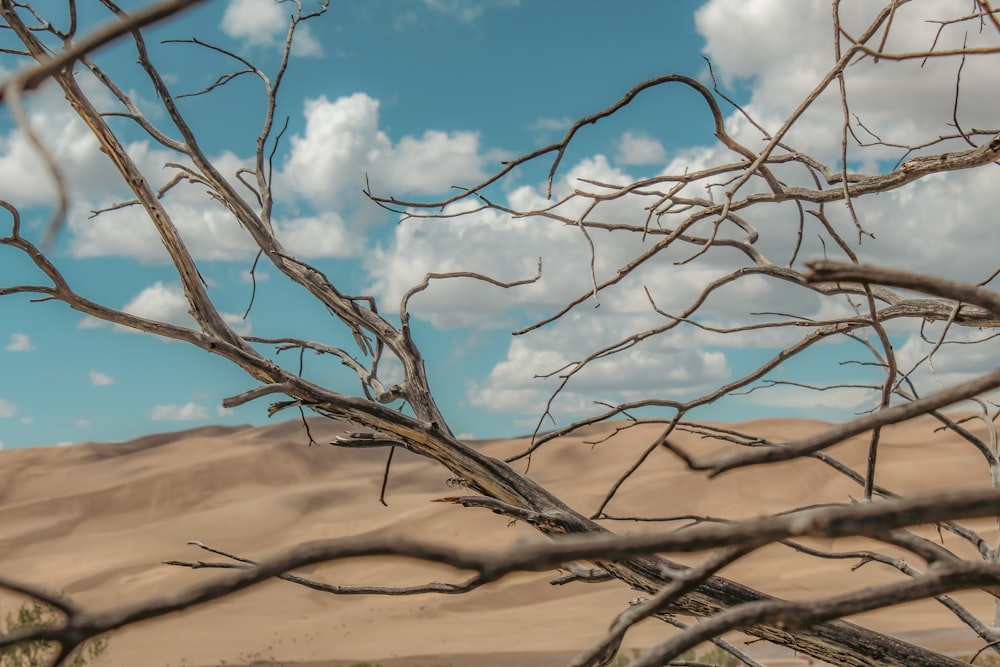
[(892, 415), (31, 78), (948, 289), (738, 223)]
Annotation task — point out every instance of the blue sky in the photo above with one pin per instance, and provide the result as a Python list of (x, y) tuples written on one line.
[(421, 95)]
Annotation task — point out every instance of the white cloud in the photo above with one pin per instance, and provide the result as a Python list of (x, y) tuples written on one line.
[(327, 165), (258, 22), (162, 302), (746, 41), (487, 243), (966, 354), (305, 43), (27, 420), (323, 235), (507, 248), (1, 444), (81, 423), (7, 409), (789, 397), (257, 276), (209, 230), (432, 163), (934, 222), (671, 366), (99, 379), (88, 322), (906, 102), (179, 413), (224, 411), (210, 233), (165, 302), (638, 148), (502, 247), (342, 145), (19, 342), (264, 23), (928, 224), (25, 181), (243, 327), (341, 142), (544, 124)]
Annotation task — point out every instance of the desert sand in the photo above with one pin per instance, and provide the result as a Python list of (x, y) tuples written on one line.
[(95, 521)]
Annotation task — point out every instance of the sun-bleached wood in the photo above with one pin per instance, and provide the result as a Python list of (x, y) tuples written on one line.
[(815, 630)]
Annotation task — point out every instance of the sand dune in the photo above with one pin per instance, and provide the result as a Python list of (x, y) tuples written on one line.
[(95, 521)]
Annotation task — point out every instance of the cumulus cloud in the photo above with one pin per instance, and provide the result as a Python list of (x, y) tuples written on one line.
[(265, 23), (668, 366), (965, 354), (88, 322), (903, 102), (165, 302), (638, 148), (432, 162), (99, 379), (507, 248), (789, 397), (23, 178), (927, 224), (326, 166), (256, 21), (7, 409), (323, 235), (500, 246), (487, 243), (341, 141), (19, 342), (179, 413), (342, 146), (93, 183), (211, 233), (209, 230), (306, 44)]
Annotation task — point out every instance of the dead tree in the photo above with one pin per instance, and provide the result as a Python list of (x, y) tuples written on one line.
[(684, 217)]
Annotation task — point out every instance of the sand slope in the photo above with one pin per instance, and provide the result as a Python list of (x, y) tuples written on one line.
[(96, 520)]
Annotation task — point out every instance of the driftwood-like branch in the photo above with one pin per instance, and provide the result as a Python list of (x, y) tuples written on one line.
[(872, 519), (30, 78), (939, 287), (683, 217), (832, 436)]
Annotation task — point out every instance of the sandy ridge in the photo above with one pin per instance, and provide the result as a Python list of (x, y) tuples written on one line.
[(96, 520)]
